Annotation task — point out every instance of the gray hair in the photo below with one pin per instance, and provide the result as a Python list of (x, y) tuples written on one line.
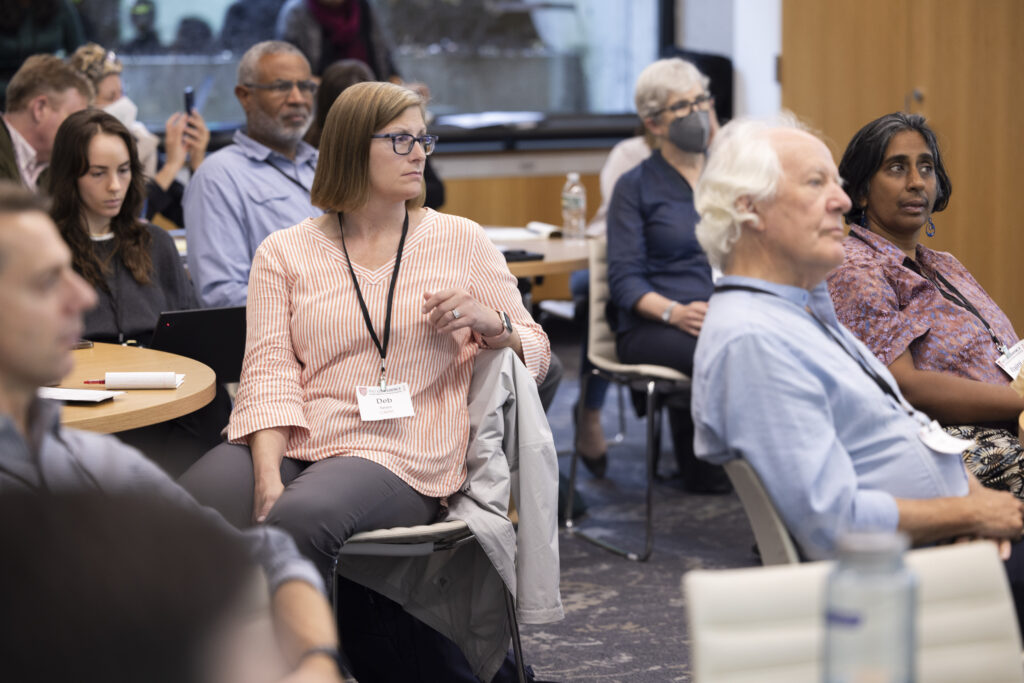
[(248, 67), (665, 76), (742, 164)]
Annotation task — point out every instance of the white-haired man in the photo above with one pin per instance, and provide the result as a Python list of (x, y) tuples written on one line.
[(259, 184), (779, 382)]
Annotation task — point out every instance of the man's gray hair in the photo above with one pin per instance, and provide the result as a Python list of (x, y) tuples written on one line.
[(743, 168), (661, 78), (248, 67)]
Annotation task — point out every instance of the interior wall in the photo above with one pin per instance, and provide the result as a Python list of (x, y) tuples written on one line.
[(747, 31)]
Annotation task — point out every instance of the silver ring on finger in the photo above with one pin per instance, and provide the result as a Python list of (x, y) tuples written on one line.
[(455, 314)]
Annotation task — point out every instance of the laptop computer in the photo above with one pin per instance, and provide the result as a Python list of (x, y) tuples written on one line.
[(212, 336)]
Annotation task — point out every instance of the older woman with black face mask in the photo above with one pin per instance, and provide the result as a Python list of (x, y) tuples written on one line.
[(658, 275)]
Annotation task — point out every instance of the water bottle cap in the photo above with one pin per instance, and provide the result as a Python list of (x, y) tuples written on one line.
[(574, 177)]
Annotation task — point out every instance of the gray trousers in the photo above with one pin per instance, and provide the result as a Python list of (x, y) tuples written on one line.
[(323, 502)]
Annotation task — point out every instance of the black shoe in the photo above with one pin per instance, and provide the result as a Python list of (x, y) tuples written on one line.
[(596, 465), (706, 478)]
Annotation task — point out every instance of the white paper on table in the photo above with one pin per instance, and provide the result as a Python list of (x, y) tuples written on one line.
[(509, 234), (544, 229), (143, 380), (77, 395)]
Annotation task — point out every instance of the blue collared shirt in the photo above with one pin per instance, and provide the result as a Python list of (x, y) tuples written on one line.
[(770, 385), (233, 202)]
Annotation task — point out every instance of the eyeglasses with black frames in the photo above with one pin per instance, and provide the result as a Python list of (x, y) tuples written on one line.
[(703, 102), (283, 88), (402, 143)]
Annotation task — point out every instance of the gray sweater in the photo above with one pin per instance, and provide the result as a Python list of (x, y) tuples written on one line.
[(130, 310)]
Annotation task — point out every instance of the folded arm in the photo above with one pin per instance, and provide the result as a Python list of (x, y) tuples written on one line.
[(955, 400)]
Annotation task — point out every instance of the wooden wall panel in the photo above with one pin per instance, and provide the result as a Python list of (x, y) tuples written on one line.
[(845, 62), (967, 63), (516, 200)]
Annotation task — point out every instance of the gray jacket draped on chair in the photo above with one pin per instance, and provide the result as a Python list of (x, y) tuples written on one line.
[(459, 592)]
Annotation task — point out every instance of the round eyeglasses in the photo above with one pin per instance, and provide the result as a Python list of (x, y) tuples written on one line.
[(402, 143), (703, 102)]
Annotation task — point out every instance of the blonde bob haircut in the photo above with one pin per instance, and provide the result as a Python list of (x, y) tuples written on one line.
[(342, 179)]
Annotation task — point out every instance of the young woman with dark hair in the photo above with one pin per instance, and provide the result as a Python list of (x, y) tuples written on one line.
[(98, 190)]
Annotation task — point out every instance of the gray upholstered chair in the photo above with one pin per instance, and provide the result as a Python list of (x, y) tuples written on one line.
[(427, 539)]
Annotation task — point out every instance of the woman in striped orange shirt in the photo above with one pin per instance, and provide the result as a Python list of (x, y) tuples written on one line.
[(363, 325)]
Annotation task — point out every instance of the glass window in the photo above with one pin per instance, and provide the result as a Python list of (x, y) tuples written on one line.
[(565, 57)]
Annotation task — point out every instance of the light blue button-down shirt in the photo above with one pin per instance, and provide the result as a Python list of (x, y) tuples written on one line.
[(233, 202), (770, 385)]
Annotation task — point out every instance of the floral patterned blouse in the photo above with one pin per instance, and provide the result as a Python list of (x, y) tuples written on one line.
[(892, 303)]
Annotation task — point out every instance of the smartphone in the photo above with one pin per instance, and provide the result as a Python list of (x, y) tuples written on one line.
[(189, 99)]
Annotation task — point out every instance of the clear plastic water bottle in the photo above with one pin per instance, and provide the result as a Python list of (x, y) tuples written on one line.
[(870, 605), (574, 207)]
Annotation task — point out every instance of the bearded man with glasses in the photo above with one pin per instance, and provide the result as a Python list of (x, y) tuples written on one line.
[(260, 183)]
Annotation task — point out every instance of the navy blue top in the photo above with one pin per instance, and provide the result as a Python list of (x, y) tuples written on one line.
[(652, 246)]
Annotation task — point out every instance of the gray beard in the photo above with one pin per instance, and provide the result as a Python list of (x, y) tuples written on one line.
[(266, 130)]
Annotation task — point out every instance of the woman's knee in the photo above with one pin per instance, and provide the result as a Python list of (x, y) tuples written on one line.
[(223, 479)]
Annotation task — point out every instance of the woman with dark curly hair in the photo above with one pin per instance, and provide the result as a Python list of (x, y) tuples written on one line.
[(98, 189)]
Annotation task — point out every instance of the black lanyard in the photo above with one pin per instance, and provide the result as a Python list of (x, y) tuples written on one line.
[(281, 171), (861, 362), (381, 348), (949, 292)]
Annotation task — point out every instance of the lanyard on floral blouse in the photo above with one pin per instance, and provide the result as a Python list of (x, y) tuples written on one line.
[(948, 292)]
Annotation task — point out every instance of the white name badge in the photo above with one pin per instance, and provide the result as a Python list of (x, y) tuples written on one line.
[(388, 403), (936, 439), (1012, 361)]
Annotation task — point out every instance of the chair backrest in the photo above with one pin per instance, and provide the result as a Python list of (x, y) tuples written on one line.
[(766, 623), (774, 543), (600, 338)]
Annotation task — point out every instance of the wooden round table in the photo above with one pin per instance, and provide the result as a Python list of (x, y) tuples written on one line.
[(135, 407), (560, 256)]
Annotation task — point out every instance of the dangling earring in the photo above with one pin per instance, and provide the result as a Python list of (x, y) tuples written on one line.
[(930, 229)]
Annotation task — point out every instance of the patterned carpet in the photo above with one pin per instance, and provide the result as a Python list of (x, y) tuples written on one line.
[(626, 621)]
